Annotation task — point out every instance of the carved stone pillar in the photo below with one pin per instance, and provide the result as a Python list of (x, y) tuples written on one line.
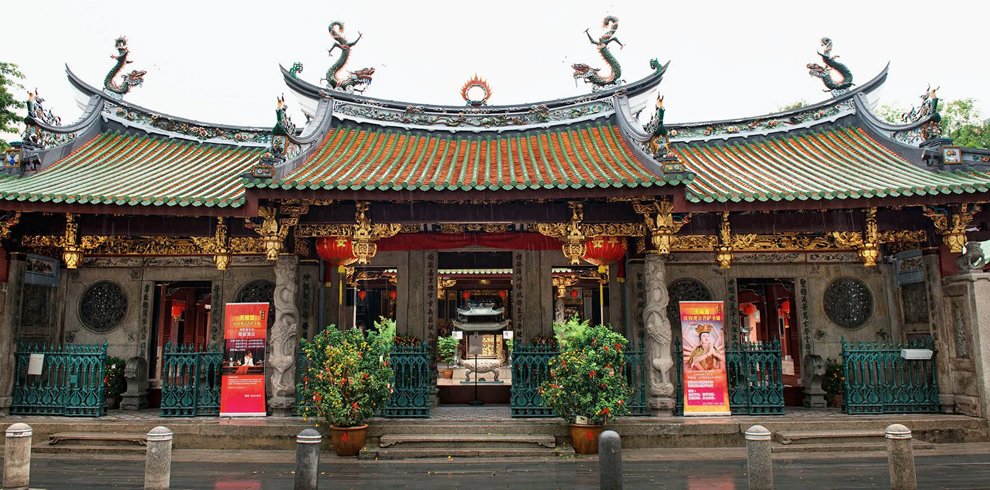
[(9, 319), (658, 336), (966, 333), (281, 360)]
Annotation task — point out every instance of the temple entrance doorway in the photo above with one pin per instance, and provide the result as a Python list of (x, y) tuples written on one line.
[(182, 317), (580, 292), (767, 314), (371, 294), (474, 327)]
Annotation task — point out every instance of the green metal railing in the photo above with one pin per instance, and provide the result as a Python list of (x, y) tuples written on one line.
[(754, 375), (70, 383), (530, 369), (190, 381), (302, 364), (411, 382), (878, 380)]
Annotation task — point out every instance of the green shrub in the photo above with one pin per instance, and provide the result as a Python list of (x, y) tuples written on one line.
[(834, 380), (586, 379), (447, 348), (113, 377), (349, 373)]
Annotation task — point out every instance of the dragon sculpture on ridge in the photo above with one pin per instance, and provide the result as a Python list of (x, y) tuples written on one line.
[(296, 69), (825, 72), (355, 81), (591, 75), (132, 79)]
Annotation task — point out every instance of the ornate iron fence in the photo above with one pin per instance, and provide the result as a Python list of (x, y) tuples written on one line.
[(190, 381), (70, 383), (530, 369), (302, 364), (411, 382), (754, 375), (879, 380)]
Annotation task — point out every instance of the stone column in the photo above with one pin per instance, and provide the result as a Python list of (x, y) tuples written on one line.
[(759, 460), (900, 458), (158, 459), (9, 318), (281, 362), (17, 456), (966, 331), (658, 336)]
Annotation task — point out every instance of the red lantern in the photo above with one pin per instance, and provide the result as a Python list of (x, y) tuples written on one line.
[(748, 309), (338, 251), (466, 295), (785, 306), (392, 295), (503, 294), (604, 250), (177, 309), (574, 293), (362, 294)]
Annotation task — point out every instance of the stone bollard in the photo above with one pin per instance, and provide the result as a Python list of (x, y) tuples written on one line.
[(17, 456), (610, 461), (308, 444), (900, 458), (158, 459), (759, 461)]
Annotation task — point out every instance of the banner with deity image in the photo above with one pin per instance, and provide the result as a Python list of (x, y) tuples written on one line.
[(706, 389), (245, 333)]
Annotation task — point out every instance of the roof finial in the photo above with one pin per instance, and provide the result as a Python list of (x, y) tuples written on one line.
[(825, 72), (132, 79), (355, 81), (478, 83), (589, 74)]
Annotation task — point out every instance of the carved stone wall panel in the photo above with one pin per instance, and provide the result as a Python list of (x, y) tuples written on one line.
[(914, 302), (848, 302), (103, 306)]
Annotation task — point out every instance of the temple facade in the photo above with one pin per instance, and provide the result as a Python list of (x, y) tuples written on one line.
[(815, 226)]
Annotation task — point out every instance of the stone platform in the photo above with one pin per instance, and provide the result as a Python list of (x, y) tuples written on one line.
[(275, 433)]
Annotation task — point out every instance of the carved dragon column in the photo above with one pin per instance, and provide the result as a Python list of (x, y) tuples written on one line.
[(9, 316), (661, 225), (282, 341)]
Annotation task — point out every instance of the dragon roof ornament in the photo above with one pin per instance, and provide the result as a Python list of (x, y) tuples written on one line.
[(35, 136), (591, 75), (132, 79), (479, 83), (355, 81), (837, 87)]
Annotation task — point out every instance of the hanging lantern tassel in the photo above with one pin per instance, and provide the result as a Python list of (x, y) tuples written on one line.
[(341, 271), (602, 279)]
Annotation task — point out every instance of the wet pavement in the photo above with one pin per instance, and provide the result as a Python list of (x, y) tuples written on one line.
[(645, 470)]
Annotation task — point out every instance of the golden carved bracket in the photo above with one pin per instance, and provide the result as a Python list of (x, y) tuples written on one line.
[(723, 249), (575, 232), (276, 223), (952, 224), (7, 223), (660, 221), (218, 245)]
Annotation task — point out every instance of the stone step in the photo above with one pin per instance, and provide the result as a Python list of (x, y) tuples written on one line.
[(550, 427), (461, 440), (829, 436), (99, 438), (87, 449), (421, 452), (845, 447)]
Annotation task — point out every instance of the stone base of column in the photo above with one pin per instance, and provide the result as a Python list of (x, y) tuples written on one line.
[(661, 406), (5, 402), (281, 406), (947, 402)]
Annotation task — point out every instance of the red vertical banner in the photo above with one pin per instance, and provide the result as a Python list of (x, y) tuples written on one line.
[(245, 332), (706, 390)]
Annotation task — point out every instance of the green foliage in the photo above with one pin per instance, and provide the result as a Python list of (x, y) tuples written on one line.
[(447, 348), (10, 115), (962, 122), (113, 377), (792, 106), (349, 374), (385, 327), (509, 344), (834, 378), (587, 379), (569, 330)]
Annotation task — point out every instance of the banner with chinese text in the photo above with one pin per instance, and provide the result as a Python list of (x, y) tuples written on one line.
[(706, 389), (245, 332)]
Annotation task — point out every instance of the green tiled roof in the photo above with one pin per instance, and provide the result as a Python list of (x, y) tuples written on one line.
[(122, 169), (833, 163), (592, 155)]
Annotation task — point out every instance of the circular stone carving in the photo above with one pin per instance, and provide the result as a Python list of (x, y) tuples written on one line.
[(260, 291), (848, 302), (103, 306), (685, 289)]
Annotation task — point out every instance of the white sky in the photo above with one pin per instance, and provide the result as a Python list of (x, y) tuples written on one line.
[(218, 61)]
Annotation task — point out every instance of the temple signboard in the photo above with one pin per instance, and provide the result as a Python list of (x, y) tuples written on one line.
[(242, 389), (705, 384)]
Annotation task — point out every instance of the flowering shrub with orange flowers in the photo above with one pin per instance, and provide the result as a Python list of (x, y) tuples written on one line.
[(349, 376), (586, 379)]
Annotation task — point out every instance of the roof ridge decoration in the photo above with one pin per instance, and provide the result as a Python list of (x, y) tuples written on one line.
[(831, 65), (591, 75), (133, 79), (42, 128), (282, 147), (355, 81), (479, 83)]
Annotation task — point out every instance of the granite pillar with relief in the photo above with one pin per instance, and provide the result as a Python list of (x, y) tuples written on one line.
[(9, 319), (281, 362), (966, 332), (658, 336)]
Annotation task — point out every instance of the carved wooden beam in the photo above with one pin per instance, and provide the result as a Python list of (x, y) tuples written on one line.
[(7, 223), (952, 224), (661, 223)]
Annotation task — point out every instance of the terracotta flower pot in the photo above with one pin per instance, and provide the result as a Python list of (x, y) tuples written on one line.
[(584, 438), (447, 373), (348, 441)]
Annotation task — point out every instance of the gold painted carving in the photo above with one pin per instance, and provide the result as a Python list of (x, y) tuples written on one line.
[(952, 224), (319, 231), (443, 284), (562, 282), (574, 232), (661, 223), (71, 253), (723, 250), (869, 251), (7, 223), (363, 232), (275, 225), (218, 245)]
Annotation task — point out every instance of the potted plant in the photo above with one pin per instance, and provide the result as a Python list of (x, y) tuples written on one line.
[(347, 381), (114, 383), (833, 382), (587, 386), (446, 351)]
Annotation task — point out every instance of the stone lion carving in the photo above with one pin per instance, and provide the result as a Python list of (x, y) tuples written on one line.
[(486, 366)]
